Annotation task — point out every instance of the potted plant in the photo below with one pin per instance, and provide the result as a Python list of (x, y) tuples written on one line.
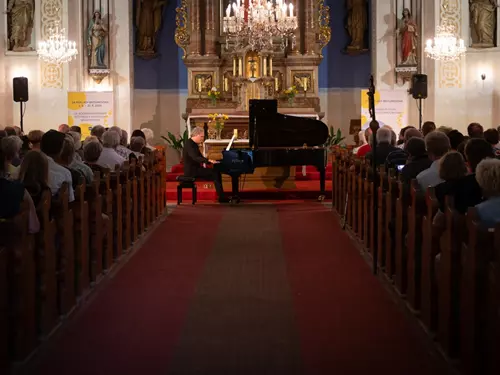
[(214, 95), (176, 143), (334, 138), (290, 94)]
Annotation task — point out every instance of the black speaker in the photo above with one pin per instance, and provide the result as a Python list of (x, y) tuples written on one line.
[(20, 89), (419, 86)]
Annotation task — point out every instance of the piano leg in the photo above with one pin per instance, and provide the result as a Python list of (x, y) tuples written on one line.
[(235, 185), (322, 178)]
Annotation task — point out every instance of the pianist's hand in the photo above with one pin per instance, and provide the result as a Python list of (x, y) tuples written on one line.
[(214, 161)]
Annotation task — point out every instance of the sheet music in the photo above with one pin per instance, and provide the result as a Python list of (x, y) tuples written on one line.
[(230, 142)]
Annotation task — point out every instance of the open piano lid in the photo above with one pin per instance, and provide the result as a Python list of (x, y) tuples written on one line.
[(268, 128)]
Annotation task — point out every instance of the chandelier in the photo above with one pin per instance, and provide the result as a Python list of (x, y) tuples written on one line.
[(257, 23), (57, 49), (445, 46)]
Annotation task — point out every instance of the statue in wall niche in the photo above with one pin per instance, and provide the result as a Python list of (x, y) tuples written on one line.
[(96, 41), (408, 34), (357, 23), (483, 22), (148, 23), (20, 20)]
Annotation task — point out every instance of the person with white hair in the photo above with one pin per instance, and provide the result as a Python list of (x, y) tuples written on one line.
[(488, 178), (194, 160), (148, 133), (122, 149), (437, 145), (109, 157), (77, 139), (384, 146), (11, 147)]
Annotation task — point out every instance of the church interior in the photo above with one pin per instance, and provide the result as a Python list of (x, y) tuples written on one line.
[(250, 187)]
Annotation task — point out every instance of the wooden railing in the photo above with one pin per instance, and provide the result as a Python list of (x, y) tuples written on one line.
[(46, 276), (456, 294)]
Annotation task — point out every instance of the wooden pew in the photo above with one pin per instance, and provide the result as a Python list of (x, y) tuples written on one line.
[(96, 228), (4, 313), (477, 254), (381, 216), (117, 212), (81, 217), (47, 309), (107, 208), (125, 181)]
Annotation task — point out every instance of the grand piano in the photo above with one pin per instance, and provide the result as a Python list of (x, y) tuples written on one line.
[(276, 139)]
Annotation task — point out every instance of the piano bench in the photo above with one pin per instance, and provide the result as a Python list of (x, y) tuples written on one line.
[(186, 183)]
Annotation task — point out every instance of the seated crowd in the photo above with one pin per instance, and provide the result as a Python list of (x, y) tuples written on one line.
[(464, 167), (39, 161)]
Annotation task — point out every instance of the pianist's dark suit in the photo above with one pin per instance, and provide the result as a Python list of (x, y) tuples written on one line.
[(193, 160)]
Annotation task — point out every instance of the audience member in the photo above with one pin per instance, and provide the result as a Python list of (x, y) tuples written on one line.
[(475, 130), (401, 138), (437, 145), (11, 147), (138, 133), (488, 178), (51, 146), (35, 137), (76, 166), (97, 131), (384, 146), (76, 128), (475, 151), (365, 148), (456, 138), (137, 145), (34, 174), (92, 151), (148, 133), (492, 137), (10, 130), (444, 129), (63, 128), (77, 141), (428, 127), (109, 157), (418, 160)]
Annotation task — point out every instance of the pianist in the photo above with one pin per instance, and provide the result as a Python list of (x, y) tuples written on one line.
[(193, 160)]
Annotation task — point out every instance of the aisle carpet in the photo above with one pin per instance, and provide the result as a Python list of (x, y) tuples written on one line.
[(257, 289)]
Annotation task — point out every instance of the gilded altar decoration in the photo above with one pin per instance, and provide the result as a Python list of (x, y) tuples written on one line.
[(20, 22), (182, 37), (483, 23), (96, 41), (202, 82), (290, 93), (217, 121), (357, 24), (408, 38), (302, 81), (148, 23), (214, 95), (324, 30)]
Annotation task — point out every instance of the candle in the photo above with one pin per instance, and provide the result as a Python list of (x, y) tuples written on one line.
[(264, 66), (199, 84), (270, 66), (305, 84), (276, 84), (234, 66), (240, 66), (235, 133), (291, 10), (226, 84)]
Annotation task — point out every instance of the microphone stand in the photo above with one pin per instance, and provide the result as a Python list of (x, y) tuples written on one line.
[(374, 127)]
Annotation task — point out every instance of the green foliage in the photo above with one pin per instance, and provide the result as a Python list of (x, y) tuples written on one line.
[(334, 138), (177, 143)]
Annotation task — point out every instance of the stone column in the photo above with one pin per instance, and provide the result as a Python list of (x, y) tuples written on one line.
[(299, 13), (194, 16), (211, 28), (122, 64), (311, 14)]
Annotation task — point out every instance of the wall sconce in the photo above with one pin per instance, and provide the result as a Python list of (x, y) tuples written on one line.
[(483, 76)]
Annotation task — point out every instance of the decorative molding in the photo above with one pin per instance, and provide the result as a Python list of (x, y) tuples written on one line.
[(450, 72), (51, 12)]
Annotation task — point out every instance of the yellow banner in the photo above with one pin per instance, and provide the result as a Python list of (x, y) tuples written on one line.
[(88, 109)]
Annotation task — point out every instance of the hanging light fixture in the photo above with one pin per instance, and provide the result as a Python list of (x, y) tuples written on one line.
[(257, 23), (445, 46), (57, 49)]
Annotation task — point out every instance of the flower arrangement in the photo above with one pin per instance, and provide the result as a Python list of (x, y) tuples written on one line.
[(214, 94), (217, 120), (290, 93)]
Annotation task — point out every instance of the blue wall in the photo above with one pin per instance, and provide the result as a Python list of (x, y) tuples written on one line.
[(337, 70)]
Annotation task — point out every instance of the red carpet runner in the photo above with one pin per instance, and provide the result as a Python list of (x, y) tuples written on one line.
[(272, 289)]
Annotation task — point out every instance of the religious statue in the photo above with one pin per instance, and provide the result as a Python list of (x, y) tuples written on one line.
[(408, 33), (357, 23), (148, 23), (21, 17), (483, 23), (96, 41)]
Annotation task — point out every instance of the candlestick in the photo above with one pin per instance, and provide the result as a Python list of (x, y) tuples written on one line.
[(264, 66), (305, 84), (226, 84), (234, 66), (276, 88), (199, 84), (271, 66), (240, 66)]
